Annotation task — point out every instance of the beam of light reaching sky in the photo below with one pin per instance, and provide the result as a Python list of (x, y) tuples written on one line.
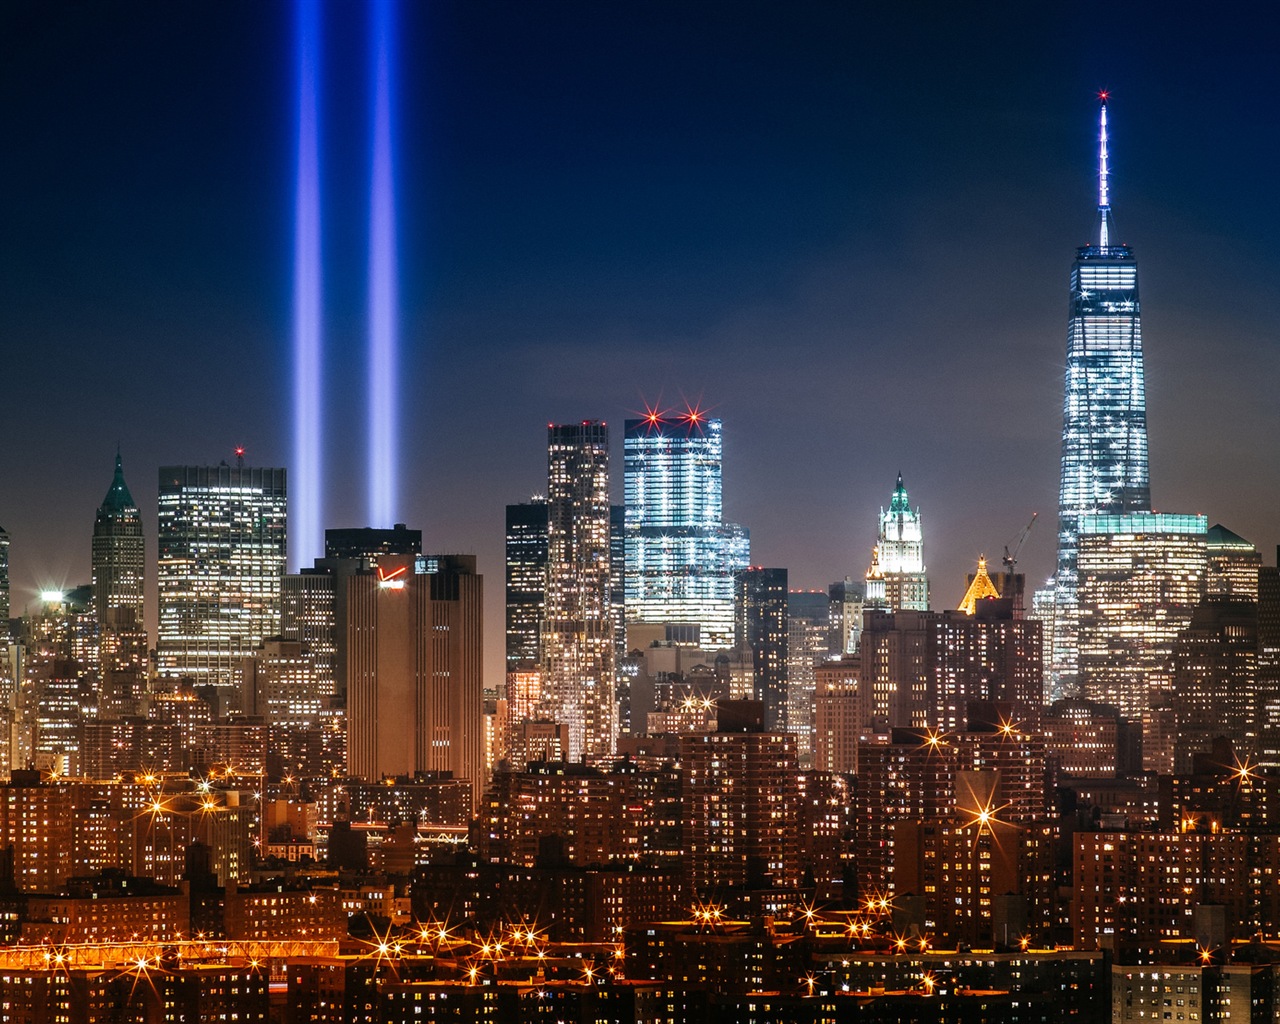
[(305, 487), (383, 286)]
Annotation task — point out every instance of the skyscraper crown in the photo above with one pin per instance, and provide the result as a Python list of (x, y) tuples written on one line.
[(118, 498)]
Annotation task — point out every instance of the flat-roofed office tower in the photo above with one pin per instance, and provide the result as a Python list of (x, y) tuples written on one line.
[(577, 632), (118, 561), (4, 586), (681, 555), (526, 549), (313, 602), (222, 543), (1141, 577), (1104, 418), (414, 681)]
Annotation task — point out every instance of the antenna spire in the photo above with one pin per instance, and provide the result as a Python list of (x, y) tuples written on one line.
[(1104, 172)]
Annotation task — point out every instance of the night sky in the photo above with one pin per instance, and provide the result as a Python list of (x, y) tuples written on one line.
[(845, 229)]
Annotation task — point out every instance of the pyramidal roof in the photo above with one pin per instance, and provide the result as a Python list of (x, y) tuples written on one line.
[(979, 589), (118, 498), (1219, 536)]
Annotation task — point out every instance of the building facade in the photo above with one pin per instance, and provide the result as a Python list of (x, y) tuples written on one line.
[(414, 697), (1141, 577), (118, 563), (900, 554), (762, 629), (526, 579), (681, 556), (1104, 418), (222, 546), (577, 636)]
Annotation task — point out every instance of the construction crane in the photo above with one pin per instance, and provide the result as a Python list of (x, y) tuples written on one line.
[(1010, 559)]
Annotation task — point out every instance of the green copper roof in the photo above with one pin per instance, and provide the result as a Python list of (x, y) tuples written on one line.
[(1220, 537), (118, 498), (899, 502)]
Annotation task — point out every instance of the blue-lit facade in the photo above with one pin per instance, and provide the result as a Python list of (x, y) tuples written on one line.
[(681, 556), (1104, 420)]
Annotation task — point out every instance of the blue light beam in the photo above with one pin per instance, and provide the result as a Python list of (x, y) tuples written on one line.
[(305, 487), (383, 283)]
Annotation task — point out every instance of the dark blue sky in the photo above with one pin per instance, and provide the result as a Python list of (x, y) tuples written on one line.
[(844, 228)]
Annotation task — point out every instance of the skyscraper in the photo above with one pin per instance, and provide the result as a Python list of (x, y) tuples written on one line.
[(577, 633), (118, 561), (221, 532), (526, 581), (1141, 577), (4, 586), (681, 555), (313, 602), (762, 629), (1104, 418), (414, 694), (901, 554)]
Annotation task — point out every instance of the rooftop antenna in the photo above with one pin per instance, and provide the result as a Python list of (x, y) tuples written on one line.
[(239, 456), (1104, 172)]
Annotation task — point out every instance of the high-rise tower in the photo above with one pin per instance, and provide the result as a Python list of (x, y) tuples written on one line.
[(681, 556), (221, 533), (526, 581), (1104, 417), (577, 633), (900, 554), (4, 586), (118, 560)]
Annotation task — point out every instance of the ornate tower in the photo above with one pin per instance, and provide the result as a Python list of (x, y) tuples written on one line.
[(901, 554), (1104, 417)]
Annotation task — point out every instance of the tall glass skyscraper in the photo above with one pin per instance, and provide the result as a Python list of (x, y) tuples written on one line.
[(681, 555), (1104, 419), (221, 533), (577, 633)]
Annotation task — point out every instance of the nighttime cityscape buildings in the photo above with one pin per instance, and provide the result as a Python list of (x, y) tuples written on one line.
[(577, 635), (222, 539), (1104, 418), (694, 792), (900, 554), (681, 556)]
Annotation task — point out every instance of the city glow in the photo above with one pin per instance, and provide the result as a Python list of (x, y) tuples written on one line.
[(307, 348), (383, 275)]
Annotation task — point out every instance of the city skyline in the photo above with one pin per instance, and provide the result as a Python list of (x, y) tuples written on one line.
[(771, 302)]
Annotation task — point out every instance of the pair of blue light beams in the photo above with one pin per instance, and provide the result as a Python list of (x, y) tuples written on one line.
[(308, 355)]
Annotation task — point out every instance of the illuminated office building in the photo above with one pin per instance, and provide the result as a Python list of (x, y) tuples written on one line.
[(1104, 420), (922, 669), (279, 683), (118, 561), (900, 554), (222, 543), (762, 629), (4, 586), (313, 602), (414, 694), (526, 581), (1215, 681), (1141, 577), (577, 638), (1232, 566), (681, 555)]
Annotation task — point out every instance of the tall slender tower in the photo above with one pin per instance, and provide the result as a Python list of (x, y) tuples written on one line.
[(577, 633), (900, 553), (1104, 417), (118, 560)]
